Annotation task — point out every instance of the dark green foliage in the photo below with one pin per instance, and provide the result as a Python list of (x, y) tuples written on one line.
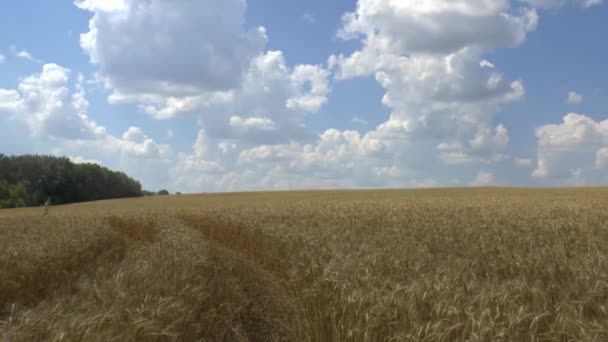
[(162, 192), (12, 195), (60, 180)]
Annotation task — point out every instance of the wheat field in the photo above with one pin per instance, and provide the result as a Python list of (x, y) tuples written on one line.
[(394, 265)]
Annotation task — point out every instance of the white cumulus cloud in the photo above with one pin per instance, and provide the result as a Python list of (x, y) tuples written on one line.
[(429, 57), (317, 79), (442, 91), (134, 134), (269, 105), (44, 102), (579, 142), (256, 123), (153, 47)]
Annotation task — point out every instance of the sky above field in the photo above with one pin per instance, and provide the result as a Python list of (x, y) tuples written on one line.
[(210, 95)]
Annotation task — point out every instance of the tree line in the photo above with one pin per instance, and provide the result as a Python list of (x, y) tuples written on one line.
[(33, 180)]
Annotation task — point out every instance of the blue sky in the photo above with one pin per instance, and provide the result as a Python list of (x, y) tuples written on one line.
[(232, 95)]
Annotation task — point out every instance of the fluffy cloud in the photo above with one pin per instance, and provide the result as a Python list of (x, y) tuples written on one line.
[(316, 78), (147, 48), (199, 59), (338, 159), (51, 111), (443, 94), (43, 102), (196, 57), (269, 106), (200, 168), (260, 124), (2, 58), (399, 27), (136, 143), (429, 57), (146, 148), (577, 146), (134, 134), (9, 100)]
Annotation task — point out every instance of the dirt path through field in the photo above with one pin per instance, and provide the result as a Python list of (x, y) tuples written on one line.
[(172, 284), (252, 259), (32, 271)]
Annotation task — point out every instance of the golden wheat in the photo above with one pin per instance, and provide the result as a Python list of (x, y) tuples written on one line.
[(418, 265)]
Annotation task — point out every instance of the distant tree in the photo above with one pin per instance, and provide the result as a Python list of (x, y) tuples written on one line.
[(147, 193), (62, 181), (163, 192), (12, 195)]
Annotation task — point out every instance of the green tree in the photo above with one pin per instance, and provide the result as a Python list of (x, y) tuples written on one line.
[(12, 195), (147, 193), (62, 181)]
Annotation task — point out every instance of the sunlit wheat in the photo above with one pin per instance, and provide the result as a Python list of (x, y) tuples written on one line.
[(432, 265)]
